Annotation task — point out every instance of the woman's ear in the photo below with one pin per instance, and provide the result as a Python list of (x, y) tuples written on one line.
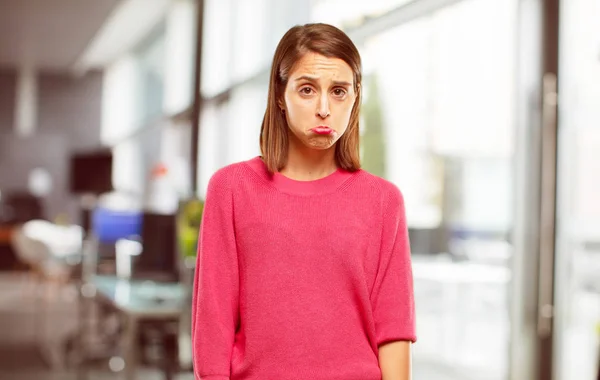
[(281, 105)]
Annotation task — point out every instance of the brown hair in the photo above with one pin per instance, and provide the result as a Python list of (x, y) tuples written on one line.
[(330, 42)]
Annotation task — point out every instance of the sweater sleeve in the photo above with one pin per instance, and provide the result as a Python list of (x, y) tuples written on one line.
[(215, 309), (393, 297)]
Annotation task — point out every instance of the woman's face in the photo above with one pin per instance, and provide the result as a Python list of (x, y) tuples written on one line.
[(318, 100)]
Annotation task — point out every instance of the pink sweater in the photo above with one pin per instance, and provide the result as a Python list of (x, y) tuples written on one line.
[(299, 280)]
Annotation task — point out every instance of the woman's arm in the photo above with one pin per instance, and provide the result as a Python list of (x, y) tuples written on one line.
[(395, 360), (215, 308), (393, 296)]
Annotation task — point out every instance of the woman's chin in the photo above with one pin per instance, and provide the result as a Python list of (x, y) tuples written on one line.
[(320, 142)]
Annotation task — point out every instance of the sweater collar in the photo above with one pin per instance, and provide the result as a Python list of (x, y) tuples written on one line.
[(288, 185)]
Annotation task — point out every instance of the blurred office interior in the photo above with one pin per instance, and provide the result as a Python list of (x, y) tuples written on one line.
[(115, 113)]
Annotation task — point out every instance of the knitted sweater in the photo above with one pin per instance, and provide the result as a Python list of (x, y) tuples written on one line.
[(299, 279)]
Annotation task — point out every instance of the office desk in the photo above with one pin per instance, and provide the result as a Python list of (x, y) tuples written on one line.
[(136, 301)]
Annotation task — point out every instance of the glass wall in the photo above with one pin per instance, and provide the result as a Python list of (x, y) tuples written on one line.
[(577, 333), (240, 37), (438, 122), (346, 14), (144, 91)]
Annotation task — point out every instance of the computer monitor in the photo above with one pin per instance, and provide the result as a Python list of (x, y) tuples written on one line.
[(91, 172), (159, 259)]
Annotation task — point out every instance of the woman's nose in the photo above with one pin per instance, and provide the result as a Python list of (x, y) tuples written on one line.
[(323, 110)]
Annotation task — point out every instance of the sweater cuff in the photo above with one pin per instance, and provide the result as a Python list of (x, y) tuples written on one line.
[(214, 377)]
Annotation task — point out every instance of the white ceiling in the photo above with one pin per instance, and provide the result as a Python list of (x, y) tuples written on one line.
[(49, 34)]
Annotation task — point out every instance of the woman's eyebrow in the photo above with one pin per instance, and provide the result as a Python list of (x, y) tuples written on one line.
[(342, 83), (307, 77), (314, 79)]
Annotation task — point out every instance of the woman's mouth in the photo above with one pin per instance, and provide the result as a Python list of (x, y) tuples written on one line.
[(322, 130)]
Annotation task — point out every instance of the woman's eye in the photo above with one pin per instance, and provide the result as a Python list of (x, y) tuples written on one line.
[(339, 92), (306, 90)]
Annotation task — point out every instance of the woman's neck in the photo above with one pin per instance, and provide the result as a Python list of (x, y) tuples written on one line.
[(306, 164)]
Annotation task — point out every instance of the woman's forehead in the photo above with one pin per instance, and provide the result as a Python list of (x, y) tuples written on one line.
[(316, 66)]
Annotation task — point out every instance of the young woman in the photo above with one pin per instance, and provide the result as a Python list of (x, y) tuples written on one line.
[(303, 267)]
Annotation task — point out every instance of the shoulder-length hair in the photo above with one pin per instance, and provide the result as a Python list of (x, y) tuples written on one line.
[(330, 42)]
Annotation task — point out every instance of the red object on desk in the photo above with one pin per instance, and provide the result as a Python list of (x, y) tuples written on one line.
[(6, 234)]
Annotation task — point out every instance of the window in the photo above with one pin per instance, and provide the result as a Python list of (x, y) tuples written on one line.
[(240, 38)]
